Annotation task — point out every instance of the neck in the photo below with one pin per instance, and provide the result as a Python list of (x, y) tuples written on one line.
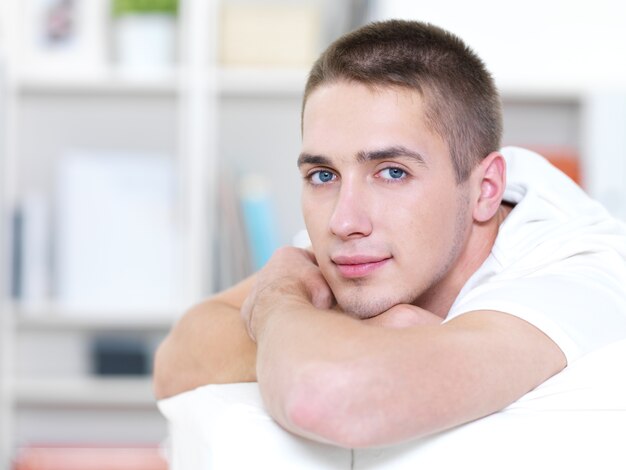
[(441, 296)]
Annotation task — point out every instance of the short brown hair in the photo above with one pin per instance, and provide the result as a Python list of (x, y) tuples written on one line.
[(462, 102)]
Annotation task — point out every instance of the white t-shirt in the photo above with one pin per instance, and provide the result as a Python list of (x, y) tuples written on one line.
[(559, 261)]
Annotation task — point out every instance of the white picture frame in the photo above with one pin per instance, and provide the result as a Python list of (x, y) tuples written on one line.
[(63, 37)]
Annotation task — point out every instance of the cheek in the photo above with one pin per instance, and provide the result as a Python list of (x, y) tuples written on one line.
[(308, 208), (315, 215), (425, 231)]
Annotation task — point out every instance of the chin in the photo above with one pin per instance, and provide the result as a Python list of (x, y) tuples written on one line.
[(363, 307)]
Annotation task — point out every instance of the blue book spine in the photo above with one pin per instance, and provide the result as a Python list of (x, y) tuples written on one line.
[(259, 222)]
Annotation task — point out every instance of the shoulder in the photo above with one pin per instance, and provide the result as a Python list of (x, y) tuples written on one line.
[(559, 261)]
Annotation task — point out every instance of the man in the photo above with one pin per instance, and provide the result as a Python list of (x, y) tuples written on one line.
[(435, 292)]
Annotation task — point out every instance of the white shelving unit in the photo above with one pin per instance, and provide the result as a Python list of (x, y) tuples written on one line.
[(33, 399), (202, 108)]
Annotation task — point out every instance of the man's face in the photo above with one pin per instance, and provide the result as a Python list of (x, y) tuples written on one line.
[(386, 217)]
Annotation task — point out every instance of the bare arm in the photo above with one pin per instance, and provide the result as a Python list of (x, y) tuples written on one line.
[(208, 345), (335, 379)]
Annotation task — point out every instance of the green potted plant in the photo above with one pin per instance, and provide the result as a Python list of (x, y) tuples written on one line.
[(130, 7), (144, 35)]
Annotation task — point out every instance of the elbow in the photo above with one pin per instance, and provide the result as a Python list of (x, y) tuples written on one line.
[(169, 375), (323, 404), (161, 378)]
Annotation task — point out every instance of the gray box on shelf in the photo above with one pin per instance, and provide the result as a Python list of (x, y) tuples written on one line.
[(115, 355)]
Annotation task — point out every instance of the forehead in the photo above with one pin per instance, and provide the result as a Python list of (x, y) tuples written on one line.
[(345, 118)]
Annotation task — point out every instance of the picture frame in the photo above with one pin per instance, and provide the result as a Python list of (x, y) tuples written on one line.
[(63, 37)]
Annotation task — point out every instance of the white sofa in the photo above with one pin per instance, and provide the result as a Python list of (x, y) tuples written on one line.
[(576, 420)]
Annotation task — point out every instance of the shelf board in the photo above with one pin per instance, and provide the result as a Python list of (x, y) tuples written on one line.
[(244, 81), (105, 83), (51, 318), (55, 322), (86, 392), (262, 81), (231, 82), (542, 92)]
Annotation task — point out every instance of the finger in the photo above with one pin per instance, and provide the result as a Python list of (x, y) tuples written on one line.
[(320, 293), (308, 252)]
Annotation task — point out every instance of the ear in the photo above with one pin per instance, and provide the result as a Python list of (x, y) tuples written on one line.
[(490, 176)]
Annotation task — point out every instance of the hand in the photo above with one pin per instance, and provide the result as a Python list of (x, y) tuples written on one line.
[(404, 316), (290, 272)]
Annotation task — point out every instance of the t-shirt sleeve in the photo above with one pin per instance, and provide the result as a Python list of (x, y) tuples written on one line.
[(579, 303)]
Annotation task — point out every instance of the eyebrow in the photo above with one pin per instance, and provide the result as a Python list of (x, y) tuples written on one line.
[(396, 151), (308, 159)]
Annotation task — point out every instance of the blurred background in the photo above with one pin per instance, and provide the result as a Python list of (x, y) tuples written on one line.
[(147, 159)]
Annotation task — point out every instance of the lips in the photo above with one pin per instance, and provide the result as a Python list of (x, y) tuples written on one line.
[(359, 265)]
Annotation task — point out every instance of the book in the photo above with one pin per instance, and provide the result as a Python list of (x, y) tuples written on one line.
[(31, 251), (258, 214), (232, 251), (115, 238), (89, 458)]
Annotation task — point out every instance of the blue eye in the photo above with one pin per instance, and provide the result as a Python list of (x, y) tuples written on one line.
[(321, 177), (393, 173)]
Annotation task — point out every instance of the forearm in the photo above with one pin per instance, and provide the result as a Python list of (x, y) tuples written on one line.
[(329, 377), (325, 376), (292, 351), (333, 379), (209, 345)]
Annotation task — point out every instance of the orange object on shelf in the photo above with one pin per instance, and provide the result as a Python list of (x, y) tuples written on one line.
[(89, 458), (564, 158)]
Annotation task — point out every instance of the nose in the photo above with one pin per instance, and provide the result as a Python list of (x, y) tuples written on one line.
[(350, 217)]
